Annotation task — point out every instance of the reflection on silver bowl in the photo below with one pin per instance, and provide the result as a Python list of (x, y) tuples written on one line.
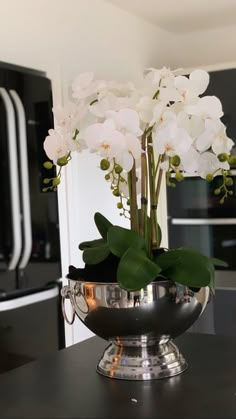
[(139, 325)]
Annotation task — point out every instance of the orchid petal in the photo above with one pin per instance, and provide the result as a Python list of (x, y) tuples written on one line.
[(200, 80)]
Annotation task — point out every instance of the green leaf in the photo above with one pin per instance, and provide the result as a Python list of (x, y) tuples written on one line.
[(94, 255), (167, 259), (189, 268), (119, 239), (136, 270), (102, 224), (159, 235), (91, 243), (219, 262)]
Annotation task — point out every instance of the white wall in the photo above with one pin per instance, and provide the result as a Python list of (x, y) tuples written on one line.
[(207, 48), (64, 37)]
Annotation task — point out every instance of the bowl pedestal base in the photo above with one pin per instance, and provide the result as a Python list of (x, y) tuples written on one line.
[(160, 360)]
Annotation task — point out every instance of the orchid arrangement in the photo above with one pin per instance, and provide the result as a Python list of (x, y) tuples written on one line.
[(164, 126)]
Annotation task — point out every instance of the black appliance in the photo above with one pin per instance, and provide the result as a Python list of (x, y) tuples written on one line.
[(30, 318), (197, 220)]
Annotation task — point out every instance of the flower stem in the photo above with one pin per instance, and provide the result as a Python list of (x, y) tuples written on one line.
[(159, 180), (153, 201), (144, 201), (133, 198)]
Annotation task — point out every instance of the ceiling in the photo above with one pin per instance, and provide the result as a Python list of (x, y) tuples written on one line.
[(183, 16)]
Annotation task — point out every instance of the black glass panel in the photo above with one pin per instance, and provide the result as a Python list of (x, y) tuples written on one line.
[(212, 240), (223, 85), (35, 94), (194, 198)]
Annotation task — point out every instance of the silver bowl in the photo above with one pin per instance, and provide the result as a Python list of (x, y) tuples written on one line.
[(139, 325)]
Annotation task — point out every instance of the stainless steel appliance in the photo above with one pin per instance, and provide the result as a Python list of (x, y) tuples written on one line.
[(197, 220), (30, 319)]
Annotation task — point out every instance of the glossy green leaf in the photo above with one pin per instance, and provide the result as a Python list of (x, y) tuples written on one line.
[(136, 270), (189, 268), (94, 255), (103, 224), (167, 259), (91, 243), (219, 262), (159, 235), (119, 239)]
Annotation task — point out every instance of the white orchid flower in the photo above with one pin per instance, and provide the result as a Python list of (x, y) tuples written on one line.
[(126, 121), (84, 86), (170, 139), (67, 117), (214, 136), (55, 145), (192, 124), (190, 88), (104, 139), (190, 161), (162, 77), (209, 163), (110, 103), (149, 110), (145, 108), (156, 79), (206, 107), (131, 151), (116, 89), (221, 142)]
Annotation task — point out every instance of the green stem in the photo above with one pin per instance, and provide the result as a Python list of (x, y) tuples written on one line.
[(144, 201), (133, 198), (160, 175), (153, 202)]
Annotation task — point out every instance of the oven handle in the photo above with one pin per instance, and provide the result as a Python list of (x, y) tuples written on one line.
[(28, 299), (203, 221), (14, 175), (196, 175), (24, 180)]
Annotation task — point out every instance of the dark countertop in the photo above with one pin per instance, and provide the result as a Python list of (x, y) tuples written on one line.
[(66, 385)]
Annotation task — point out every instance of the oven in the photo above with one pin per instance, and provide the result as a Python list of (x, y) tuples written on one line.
[(197, 220)]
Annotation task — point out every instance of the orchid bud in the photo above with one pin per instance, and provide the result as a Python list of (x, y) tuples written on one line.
[(107, 176), (232, 160), (209, 177), (116, 192), (229, 181), (120, 205), (217, 191), (175, 160), (56, 181), (118, 169), (46, 181), (62, 161), (104, 164), (222, 157), (47, 164), (179, 176)]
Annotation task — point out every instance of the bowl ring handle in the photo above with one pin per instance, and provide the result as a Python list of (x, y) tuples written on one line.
[(67, 294), (77, 291)]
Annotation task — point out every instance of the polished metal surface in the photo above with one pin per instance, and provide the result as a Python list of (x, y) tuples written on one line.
[(139, 325), (203, 221)]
